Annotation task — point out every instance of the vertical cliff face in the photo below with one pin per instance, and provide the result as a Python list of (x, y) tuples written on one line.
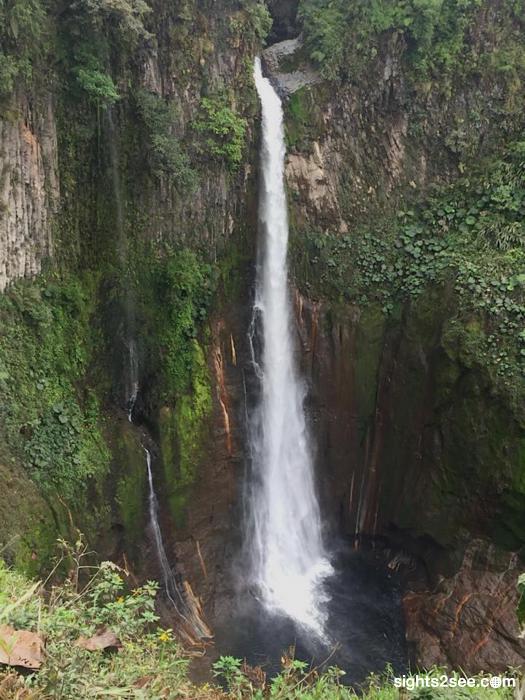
[(51, 132), (29, 186), (127, 204), (420, 434)]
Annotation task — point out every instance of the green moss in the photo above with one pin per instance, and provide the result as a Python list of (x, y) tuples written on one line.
[(28, 526), (131, 478), (174, 293), (183, 435), (191, 410), (298, 117), (50, 416), (304, 117), (37, 546)]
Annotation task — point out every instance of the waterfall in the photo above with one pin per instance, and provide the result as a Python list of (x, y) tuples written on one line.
[(131, 381), (180, 595), (167, 575), (289, 562)]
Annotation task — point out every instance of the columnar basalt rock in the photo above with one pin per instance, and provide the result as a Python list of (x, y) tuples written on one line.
[(29, 188)]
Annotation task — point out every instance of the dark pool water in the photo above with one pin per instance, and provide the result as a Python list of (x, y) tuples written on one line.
[(365, 624)]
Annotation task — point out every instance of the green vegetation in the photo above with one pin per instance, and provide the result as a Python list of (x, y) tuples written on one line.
[(192, 410), (440, 43), (91, 33), (82, 36), (468, 237), (165, 153), (137, 660), (99, 86), (103, 639), (223, 129), (252, 23), (177, 289), (23, 29), (49, 416), (131, 484)]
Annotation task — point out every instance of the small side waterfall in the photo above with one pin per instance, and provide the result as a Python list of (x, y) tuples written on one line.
[(132, 378), (288, 560), (131, 370), (168, 578), (179, 594), (186, 606)]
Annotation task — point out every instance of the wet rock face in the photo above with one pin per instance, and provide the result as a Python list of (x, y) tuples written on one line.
[(469, 620), (28, 188), (406, 435), (406, 453), (207, 546)]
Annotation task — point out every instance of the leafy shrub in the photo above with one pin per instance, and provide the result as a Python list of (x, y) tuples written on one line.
[(436, 34), (98, 85), (260, 19), (166, 155), (23, 26), (223, 129), (45, 349), (253, 22), (148, 660)]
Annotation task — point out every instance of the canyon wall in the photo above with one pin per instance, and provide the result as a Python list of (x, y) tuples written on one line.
[(128, 213)]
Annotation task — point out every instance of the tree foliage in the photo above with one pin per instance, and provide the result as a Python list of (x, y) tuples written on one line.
[(23, 28), (437, 33), (223, 129)]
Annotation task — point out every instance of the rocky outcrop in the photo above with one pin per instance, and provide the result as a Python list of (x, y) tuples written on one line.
[(469, 620), (288, 81), (313, 177), (29, 187)]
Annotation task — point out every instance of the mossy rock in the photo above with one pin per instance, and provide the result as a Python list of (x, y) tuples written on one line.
[(29, 525), (183, 436), (130, 469)]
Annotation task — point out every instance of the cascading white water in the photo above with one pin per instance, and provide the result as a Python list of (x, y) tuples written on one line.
[(289, 562), (187, 610), (167, 575), (132, 379)]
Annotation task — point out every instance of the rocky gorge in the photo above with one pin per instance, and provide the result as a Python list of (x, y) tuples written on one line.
[(130, 175)]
